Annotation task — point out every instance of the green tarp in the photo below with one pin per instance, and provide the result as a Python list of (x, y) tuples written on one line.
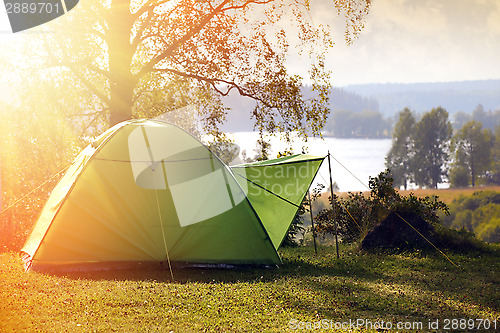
[(276, 188), (147, 189)]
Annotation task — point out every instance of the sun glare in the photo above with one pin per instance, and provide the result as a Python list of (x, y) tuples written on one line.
[(8, 60), (7, 39), (6, 91), (4, 23)]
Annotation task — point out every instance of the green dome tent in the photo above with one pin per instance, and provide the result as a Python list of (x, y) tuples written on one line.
[(147, 191)]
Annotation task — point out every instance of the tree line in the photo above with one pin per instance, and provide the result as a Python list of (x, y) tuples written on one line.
[(348, 122), (428, 151), (364, 124)]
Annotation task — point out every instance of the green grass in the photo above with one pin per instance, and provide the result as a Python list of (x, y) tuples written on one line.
[(306, 288), (449, 194)]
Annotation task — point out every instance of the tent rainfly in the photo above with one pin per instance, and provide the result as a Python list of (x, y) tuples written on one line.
[(147, 191)]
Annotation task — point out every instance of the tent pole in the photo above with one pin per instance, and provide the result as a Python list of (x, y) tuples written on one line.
[(312, 220), (333, 206)]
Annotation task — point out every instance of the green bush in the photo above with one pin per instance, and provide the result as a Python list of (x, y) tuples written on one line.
[(478, 213), (357, 214), (489, 232), (353, 217), (458, 241), (463, 219)]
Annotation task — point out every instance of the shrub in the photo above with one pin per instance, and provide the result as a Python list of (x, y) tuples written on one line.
[(353, 217), (489, 232), (357, 214), (477, 213), (458, 241)]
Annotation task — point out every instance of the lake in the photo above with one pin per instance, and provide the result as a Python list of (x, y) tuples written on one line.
[(351, 158)]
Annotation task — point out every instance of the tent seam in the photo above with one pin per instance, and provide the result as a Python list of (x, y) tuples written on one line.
[(264, 165)]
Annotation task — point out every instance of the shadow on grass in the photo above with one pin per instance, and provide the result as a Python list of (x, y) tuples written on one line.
[(415, 287), (412, 287), (299, 262)]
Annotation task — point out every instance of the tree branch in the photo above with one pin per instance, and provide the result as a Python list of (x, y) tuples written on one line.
[(97, 115), (98, 70), (247, 3), (88, 84), (138, 37), (213, 82), (149, 6), (169, 50)]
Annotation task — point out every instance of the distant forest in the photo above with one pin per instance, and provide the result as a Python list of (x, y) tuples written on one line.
[(369, 110)]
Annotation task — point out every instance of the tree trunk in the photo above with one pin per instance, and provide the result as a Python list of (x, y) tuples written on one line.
[(122, 81), (472, 171), (120, 105)]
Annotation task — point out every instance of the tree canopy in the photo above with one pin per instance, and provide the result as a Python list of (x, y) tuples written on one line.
[(420, 150), (144, 58), (425, 153), (472, 150), (400, 155), (432, 139)]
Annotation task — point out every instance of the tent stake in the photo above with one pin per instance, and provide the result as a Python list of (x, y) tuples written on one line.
[(333, 206), (312, 221)]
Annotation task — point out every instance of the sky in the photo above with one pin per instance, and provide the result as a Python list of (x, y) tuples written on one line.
[(404, 41), (407, 41)]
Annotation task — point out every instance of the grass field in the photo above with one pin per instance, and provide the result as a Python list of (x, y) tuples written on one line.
[(307, 291), (447, 195)]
